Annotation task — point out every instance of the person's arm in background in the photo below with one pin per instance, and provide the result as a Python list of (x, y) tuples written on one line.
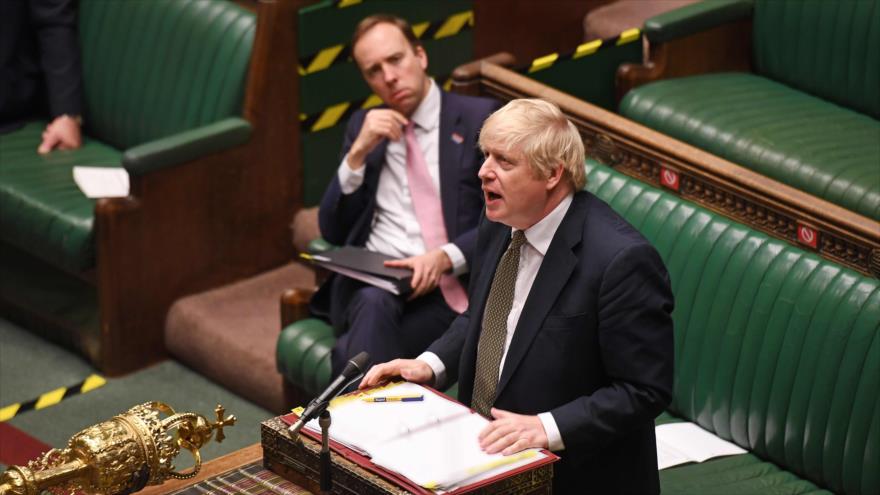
[(54, 22)]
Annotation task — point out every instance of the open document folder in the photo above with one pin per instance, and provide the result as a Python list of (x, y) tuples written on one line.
[(432, 442)]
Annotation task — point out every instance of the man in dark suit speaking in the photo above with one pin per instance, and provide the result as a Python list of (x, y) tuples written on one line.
[(567, 342), (407, 187)]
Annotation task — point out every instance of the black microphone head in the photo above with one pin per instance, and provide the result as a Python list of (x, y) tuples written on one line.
[(356, 365)]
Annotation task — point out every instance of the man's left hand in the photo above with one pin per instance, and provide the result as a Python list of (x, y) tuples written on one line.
[(62, 133), (427, 270), (511, 433)]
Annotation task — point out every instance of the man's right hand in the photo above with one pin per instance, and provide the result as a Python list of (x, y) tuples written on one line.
[(62, 133), (411, 370), (379, 124)]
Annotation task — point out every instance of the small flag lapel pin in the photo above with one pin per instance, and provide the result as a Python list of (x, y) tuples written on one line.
[(458, 138)]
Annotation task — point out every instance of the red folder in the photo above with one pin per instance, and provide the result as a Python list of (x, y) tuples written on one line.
[(399, 480)]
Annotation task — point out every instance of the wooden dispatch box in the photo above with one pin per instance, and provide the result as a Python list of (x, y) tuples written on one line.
[(298, 461)]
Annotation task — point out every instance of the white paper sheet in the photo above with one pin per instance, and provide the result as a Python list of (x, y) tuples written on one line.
[(102, 182), (679, 443), (432, 442)]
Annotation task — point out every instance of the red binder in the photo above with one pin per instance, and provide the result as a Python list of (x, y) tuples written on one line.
[(404, 482)]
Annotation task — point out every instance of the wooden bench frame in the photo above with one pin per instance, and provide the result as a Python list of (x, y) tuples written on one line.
[(703, 178)]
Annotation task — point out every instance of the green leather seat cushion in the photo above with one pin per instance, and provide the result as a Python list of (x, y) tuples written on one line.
[(803, 141), (42, 210)]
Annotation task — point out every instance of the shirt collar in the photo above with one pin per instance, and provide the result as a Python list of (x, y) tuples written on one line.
[(427, 114), (540, 234)]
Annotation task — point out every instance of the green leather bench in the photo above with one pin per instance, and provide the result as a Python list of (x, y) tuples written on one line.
[(807, 115), (171, 95), (777, 350)]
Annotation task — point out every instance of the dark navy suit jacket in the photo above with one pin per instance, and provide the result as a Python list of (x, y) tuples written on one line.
[(347, 219), (39, 61), (593, 346)]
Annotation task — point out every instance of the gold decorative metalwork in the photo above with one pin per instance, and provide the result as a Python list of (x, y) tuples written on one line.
[(121, 455)]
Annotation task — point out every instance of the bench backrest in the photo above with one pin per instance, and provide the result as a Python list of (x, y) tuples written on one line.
[(776, 349), (151, 69), (828, 48)]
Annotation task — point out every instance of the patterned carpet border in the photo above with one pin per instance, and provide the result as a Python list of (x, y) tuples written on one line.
[(250, 479)]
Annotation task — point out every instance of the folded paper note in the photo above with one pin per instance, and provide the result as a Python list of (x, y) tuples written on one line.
[(102, 182), (680, 443)]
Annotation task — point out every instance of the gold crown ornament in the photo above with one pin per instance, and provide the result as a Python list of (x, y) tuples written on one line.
[(122, 455)]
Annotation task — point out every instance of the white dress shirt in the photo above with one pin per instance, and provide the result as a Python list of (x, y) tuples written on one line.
[(538, 238), (395, 229)]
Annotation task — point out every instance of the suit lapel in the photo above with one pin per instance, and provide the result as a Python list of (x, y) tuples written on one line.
[(450, 153), (559, 262)]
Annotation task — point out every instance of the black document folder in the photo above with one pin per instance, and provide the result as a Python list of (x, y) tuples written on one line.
[(366, 266)]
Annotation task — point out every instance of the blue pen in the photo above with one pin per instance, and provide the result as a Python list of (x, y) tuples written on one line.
[(395, 398)]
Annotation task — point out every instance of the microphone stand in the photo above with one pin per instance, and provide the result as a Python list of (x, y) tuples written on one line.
[(326, 481)]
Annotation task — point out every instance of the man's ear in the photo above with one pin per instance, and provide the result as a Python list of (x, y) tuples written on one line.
[(555, 176), (422, 55)]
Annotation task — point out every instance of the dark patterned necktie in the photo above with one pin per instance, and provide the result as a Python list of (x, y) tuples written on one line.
[(490, 347)]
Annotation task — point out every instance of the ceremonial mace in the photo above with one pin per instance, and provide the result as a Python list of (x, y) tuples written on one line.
[(120, 456)]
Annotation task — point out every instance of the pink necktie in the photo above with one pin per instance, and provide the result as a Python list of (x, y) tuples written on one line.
[(429, 213)]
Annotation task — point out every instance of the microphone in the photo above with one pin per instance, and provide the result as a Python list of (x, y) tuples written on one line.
[(354, 370)]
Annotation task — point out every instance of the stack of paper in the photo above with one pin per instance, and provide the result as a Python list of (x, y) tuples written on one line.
[(433, 442), (679, 443)]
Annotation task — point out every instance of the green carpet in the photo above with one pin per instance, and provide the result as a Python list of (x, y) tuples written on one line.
[(30, 366)]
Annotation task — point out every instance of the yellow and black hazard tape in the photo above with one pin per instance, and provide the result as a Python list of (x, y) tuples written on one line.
[(583, 50), (340, 112), (335, 114), (341, 53), (51, 398), (341, 4)]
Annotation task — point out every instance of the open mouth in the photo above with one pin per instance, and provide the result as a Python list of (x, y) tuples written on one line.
[(491, 196)]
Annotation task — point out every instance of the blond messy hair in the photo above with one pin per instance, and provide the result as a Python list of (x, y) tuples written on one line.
[(538, 129)]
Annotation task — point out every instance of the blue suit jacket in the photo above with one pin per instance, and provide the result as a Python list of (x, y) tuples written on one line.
[(347, 219), (593, 345)]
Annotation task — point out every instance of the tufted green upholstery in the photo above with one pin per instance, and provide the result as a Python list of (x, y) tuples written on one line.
[(152, 69), (807, 117), (152, 72), (793, 137), (829, 49), (41, 209), (776, 349)]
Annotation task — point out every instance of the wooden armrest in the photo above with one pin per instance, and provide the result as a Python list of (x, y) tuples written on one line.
[(466, 78), (725, 48), (295, 305)]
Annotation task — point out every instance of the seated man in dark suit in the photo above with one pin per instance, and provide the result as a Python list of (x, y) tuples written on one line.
[(407, 187), (40, 70), (567, 341)]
